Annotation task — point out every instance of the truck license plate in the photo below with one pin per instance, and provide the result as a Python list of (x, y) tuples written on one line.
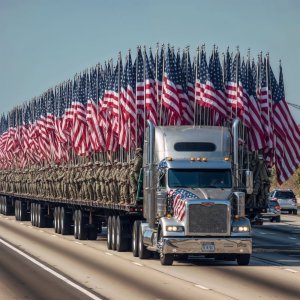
[(208, 247)]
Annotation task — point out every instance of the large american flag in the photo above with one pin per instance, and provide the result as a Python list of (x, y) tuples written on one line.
[(179, 197), (286, 132), (170, 94)]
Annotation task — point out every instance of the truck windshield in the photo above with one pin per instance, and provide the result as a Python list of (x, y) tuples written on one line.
[(199, 178)]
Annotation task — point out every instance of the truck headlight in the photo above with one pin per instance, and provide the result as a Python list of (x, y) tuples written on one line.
[(240, 228), (175, 228)]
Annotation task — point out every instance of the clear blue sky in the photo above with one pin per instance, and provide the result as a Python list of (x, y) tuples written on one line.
[(43, 43)]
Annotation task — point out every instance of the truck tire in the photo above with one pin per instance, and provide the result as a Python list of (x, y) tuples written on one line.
[(23, 216), (17, 210), (65, 221), (243, 259), (113, 232), (82, 221), (4, 206), (31, 213), (135, 238), (34, 214), (56, 215), (295, 211), (277, 219), (121, 239), (109, 224), (144, 253), (166, 259), (75, 224), (41, 219)]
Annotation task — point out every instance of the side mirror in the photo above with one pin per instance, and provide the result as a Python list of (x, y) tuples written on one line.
[(249, 181)]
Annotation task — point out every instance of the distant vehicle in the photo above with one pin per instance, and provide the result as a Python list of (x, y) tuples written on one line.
[(286, 199), (273, 211)]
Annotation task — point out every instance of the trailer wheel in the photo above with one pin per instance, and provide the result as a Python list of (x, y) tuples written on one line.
[(113, 232), (55, 219), (41, 220), (31, 213), (109, 237), (81, 225), (34, 216), (144, 253), (121, 240), (17, 213), (23, 216), (135, 238), (75, 224), (65, 222), (243, 259)]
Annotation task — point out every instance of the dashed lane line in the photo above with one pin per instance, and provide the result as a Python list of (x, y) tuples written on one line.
[(202, 287)]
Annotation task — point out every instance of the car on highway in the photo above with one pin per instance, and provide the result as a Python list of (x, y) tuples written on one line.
[(286, 199), (272, 212)]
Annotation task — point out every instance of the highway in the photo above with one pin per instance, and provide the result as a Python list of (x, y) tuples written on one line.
[(273, 273)]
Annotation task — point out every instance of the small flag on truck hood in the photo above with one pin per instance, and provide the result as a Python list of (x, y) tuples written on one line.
[(179, 197)]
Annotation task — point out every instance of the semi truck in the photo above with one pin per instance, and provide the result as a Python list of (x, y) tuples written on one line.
[(197, 190)]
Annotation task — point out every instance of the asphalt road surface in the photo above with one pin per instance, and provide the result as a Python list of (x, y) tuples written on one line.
[(273, 273)]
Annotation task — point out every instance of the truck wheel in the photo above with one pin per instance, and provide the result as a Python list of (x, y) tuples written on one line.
[(31, 213), (121, 240), (17, 213), (41, 220), (166, 259), (243, 259), (82, 222), (55, 219), (23, 216), (34, 214), (277, 219), (109, 223), (113, 232), (75, 224), (295, 211), (65, 222), (4, 206), (144, 253), (135, 238)]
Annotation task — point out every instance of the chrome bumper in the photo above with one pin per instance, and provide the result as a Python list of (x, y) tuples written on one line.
[(197, 245)]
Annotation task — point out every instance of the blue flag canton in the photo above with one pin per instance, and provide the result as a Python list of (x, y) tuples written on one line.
[(215, 71), (183, 194), (277, 89), (139, 67), (202, 68), (162, 164)]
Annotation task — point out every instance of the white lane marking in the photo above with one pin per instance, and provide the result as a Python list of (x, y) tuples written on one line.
[(30, 226), (202, 287), (41, 230), (78, 243), (61, 277), (262, 232), (291, 270), (297, 243), (54, 235), (137, 264), (107, 253), (22, 223), (292, 238)]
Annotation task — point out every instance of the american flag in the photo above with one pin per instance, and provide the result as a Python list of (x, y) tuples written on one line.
[(94, 130), (181, 85), (214, 94), (140, 91), (151, 99), (170, 95), (179, 198), (264, 99), (286, 132), (256, 132), (201, 79), (81, 142)]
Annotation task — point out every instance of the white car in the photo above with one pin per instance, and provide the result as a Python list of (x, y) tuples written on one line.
[(286, 199)]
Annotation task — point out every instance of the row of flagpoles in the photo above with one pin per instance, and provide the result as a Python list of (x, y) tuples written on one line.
[(104, 109)]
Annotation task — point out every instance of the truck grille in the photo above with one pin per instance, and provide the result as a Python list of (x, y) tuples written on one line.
[(207, 219)]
